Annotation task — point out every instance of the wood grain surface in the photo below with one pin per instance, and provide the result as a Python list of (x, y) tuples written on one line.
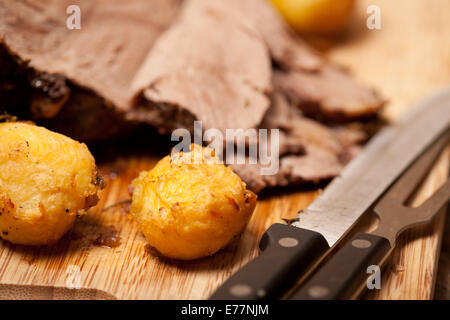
[(407, 59), (442, 291)]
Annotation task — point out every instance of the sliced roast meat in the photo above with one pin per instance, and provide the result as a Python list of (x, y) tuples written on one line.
[(351, 135), (209, 68), (99, 61), (303, 130), (287, 50), (329, 95), (104, 55), (317, 86), (151, 62), (323, 151)]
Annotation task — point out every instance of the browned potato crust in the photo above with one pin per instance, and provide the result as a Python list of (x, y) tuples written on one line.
[(188, 211), (46, 180)]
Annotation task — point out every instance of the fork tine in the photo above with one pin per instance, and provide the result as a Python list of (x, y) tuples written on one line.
[(410, 180), (433, 204)]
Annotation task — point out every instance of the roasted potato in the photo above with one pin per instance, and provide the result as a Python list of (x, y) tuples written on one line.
[(190, 205), (325, 17), (46, 180)]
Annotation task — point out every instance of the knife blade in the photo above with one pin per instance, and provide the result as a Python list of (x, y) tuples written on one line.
[(345, 274), (287, 251)]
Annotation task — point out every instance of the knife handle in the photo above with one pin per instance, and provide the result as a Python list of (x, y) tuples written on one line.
[(346, 271), (286, 252)]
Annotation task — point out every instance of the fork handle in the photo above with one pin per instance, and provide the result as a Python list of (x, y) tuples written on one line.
[(346, 271)]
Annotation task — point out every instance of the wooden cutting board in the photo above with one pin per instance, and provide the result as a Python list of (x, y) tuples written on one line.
[(407, 59)]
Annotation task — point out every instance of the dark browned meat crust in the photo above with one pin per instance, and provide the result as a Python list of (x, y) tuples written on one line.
[(85, 116), (76, 81)]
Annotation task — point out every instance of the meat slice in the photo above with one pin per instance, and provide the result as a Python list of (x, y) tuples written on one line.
[(205, 67), (309, 151), (129, 63), (57, 68), (329, 95), (213, 65), (317, 86), (104, 55), (287, 50)]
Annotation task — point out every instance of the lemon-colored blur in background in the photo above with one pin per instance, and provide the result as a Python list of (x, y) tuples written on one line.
[(325, 17)]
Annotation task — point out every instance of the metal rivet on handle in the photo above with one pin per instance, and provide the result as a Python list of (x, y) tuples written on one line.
[(361, 244), (318, 291), (261, 293), (288, 242), (240, 290)]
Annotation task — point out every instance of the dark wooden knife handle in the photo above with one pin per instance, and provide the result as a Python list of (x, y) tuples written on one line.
[(346, 271), (286, 252)]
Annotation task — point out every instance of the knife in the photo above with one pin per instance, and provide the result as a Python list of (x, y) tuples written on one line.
[(346, 271), (288, 251)]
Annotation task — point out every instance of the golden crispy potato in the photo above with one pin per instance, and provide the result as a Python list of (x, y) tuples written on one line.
[(315, 16), (46, 179), (188, 211)]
